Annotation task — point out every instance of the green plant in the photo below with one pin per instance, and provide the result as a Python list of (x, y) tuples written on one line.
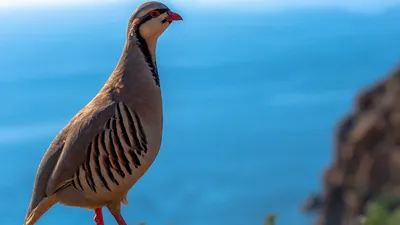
[(383, 211), (270, 220)]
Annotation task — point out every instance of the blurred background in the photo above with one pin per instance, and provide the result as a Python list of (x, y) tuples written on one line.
[(252, 91)]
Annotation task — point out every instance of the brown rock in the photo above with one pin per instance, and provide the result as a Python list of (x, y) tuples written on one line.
[(366, 156)]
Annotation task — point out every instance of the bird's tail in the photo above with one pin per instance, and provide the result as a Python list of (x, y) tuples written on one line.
[(34, 215)]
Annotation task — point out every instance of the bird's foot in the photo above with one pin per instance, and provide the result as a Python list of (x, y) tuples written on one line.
[(98, 217)]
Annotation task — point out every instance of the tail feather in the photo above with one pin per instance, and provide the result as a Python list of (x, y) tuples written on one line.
[(34, 215), (40, 200)]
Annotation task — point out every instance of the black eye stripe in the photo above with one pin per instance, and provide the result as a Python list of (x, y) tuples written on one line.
[(161, 11), (154, 13), (148, 16)]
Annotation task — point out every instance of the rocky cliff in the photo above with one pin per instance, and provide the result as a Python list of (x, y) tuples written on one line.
[(366, 155)]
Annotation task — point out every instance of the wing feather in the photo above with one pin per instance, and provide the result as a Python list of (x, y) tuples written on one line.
[(90, 122)]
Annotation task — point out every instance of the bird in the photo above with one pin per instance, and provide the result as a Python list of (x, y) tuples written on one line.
[(112, 141)]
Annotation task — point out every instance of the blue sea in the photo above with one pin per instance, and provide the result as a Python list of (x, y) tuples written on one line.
[(250, 102)]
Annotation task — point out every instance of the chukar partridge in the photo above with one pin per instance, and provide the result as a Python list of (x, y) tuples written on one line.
[(108, 145)]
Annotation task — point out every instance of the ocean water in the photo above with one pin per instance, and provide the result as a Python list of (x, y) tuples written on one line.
[(250, 104)]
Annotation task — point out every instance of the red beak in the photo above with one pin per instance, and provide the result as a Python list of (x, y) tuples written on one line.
[(173, 16)]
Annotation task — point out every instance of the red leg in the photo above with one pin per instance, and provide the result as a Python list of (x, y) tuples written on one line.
[(120, 220), (98, 216)]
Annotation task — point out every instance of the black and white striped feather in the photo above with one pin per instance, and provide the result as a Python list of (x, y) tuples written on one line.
[(114, 153)]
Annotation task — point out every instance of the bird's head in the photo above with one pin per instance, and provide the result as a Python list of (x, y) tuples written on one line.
[(150, 20)]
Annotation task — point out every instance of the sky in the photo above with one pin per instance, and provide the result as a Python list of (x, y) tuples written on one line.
[(353, 5)]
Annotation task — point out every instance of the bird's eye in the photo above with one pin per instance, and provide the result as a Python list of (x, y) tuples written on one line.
[(154, 14)]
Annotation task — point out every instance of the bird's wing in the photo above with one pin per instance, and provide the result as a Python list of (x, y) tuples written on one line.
[(115, 128), (66, 152), (90, 121)]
